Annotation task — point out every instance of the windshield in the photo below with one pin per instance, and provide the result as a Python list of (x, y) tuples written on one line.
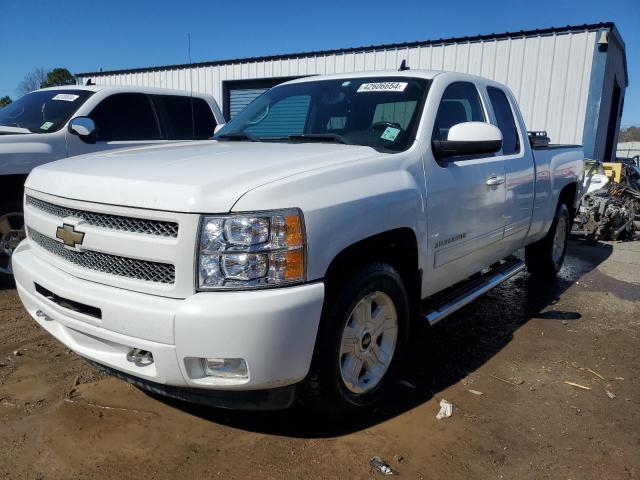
[(379, 112), (43, 111)]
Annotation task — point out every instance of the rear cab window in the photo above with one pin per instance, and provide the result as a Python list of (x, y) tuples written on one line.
[(505, 121)]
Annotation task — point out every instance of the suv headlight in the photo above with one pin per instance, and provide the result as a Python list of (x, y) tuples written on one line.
[(253, 250)]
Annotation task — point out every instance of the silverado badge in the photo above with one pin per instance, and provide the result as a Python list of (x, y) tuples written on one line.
[(69, 236)]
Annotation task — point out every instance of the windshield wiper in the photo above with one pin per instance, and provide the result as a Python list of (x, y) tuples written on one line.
[(321, 137), (310, 137), (237, 137)]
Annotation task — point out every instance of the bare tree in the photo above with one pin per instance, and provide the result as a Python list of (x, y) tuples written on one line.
[(629, 134), (32, 81)]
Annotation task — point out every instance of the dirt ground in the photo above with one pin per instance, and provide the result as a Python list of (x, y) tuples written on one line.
[(62, 419)]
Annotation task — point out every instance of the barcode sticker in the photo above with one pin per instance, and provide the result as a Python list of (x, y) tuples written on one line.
[(383, 87), (65, 97)]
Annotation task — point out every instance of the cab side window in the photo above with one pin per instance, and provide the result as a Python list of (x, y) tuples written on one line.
[(505, 121), (185, 118), (460, 103), (125, 116)]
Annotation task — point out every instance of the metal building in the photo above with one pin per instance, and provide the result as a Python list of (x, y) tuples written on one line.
[(569, 81)]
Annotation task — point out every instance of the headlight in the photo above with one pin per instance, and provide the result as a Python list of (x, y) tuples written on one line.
[(254, 250)]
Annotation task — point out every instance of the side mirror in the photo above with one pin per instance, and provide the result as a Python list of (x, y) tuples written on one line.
[(218, 127), (469, 138), (84, 128)]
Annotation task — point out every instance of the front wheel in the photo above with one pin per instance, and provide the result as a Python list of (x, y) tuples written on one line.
[(363, 332), (12, 232), (545, 257)]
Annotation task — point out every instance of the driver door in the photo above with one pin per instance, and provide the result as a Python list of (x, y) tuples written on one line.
[(465, 197)]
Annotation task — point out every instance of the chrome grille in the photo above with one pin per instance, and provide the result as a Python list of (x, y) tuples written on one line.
[(105, 220), (106, 263)]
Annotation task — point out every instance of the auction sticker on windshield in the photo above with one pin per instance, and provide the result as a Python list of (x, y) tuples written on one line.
[(383, 87), (390, 134), (66, 97)]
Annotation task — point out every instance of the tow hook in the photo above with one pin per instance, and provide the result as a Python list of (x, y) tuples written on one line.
[(141, 358)]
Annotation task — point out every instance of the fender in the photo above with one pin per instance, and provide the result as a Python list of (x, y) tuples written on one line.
[(345, 204)]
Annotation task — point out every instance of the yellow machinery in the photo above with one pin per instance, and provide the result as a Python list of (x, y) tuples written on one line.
[(613, 170)]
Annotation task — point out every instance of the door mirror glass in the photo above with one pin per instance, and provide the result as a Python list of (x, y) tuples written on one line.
[(469, 138), (84, 128)]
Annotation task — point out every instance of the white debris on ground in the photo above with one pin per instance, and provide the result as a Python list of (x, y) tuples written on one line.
[(446, 409)]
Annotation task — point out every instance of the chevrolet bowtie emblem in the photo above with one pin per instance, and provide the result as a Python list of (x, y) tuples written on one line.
[(69, 236)]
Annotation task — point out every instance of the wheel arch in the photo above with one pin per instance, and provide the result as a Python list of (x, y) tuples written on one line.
[(568, 195), (397, 247)]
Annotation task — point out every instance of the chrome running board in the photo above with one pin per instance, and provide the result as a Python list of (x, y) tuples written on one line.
[(445, 303)]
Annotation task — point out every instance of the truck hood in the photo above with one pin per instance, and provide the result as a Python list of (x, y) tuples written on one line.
[(200, 177), (21, 152)]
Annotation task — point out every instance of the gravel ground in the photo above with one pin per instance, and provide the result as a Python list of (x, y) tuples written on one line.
[(515, 348)]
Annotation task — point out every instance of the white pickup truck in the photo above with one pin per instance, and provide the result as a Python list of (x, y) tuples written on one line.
[(291, 258), (60, 122)]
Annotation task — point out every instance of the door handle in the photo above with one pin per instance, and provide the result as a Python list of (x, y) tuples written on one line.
[(494, 180)]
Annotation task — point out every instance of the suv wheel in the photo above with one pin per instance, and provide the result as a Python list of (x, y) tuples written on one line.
[(12, 232), (363, 332)]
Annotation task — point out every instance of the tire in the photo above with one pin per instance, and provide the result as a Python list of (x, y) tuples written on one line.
[(11, 233), (545, 257), (345, 340)]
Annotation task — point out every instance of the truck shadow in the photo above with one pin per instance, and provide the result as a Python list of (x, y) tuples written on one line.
[(441, 356), (7, 282)]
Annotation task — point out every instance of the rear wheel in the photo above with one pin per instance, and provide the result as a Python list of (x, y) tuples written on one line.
[(545, 257), (363, 332)]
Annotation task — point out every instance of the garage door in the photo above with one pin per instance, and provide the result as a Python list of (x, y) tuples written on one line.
[(241, 97)]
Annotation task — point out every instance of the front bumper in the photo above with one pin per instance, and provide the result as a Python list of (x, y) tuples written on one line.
[(273, 330)]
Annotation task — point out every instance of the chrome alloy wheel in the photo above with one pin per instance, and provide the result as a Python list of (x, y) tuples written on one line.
[(11, 234), (368, 342), (559, 240)]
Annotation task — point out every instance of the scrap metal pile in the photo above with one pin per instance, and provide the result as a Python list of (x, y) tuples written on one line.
[(609, 213)]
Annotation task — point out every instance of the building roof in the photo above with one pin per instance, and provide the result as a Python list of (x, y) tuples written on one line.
[(440, 41), (126, 89)]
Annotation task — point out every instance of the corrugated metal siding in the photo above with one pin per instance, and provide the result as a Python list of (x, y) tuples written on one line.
[(628, 149), (549, 74)]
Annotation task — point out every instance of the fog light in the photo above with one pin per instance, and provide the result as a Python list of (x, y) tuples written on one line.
[(235, 368)]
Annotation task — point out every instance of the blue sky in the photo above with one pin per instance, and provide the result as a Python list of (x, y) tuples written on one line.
[(86, 35)]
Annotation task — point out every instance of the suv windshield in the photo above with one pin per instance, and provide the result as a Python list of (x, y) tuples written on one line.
[(43, 111), (379, 112)]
